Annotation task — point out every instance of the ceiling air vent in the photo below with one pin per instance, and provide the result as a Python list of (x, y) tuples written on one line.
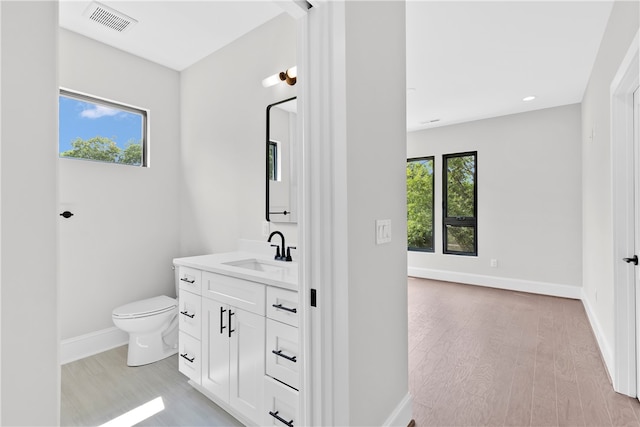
[(109, 17)]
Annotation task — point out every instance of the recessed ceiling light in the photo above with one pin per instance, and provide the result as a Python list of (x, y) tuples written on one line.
[(411, 89), (528, 98), (428, 122)]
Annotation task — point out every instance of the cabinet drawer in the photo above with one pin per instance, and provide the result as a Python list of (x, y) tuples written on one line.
[(243, 294), (282, 305), (190, 279), (281, 404), (282, 353), (189, 352), (190, 313)]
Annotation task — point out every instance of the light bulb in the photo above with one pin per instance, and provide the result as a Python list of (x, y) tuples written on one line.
[(271, 80), (292, 72)]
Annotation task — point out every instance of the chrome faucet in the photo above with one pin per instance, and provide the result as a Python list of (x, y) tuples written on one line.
[(279, 255)]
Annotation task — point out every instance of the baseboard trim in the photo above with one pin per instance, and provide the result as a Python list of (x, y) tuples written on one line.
[(605, 348), (76, 348), (403, 413), (530, 286)]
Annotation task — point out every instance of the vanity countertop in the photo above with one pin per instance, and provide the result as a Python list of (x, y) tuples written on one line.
[(277, 273)]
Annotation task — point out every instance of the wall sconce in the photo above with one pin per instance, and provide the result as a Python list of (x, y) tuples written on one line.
[(290, 76)]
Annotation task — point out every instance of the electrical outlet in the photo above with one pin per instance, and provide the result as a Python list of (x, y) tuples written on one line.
[(494, 263), (383, 231)]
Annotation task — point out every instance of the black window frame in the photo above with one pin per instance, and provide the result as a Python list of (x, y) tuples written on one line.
[(273, 161), (433, 205), (144, 161), (459, 221)]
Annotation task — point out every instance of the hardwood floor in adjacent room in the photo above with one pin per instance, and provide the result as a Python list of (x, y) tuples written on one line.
[(489, 357), (100, 388)]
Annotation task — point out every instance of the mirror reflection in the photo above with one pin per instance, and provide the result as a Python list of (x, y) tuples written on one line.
[(281, 149)]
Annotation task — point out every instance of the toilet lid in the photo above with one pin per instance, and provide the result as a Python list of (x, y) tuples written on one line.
[(146, 307)]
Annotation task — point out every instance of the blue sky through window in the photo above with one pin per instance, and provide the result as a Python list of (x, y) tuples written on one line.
[(87, 120)]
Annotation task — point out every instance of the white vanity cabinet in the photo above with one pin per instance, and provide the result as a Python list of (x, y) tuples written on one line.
[(233, 342), (282, 352), (238, 335), (189, 323)]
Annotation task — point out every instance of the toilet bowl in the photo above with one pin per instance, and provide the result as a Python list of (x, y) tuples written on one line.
[(152, 325)]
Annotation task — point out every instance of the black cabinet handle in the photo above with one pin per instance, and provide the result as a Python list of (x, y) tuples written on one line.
[(279, 353), (281, 307), (231, 313), (185, 356), (184, 279), (633, 260), (186, 313), (222, 310), (66, 214), (279, 418)]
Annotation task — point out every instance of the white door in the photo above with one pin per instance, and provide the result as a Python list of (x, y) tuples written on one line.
[(247, 363), (633, 258), (215, 348)]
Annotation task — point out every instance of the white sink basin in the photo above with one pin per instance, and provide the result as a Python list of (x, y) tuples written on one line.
[(256, 265)]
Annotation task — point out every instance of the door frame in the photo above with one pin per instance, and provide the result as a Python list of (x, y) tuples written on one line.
[(623, 369)]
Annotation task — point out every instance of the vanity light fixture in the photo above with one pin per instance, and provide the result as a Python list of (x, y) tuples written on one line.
[(290, 76)]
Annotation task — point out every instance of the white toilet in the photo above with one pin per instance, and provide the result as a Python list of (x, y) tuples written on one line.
[(152, 325)]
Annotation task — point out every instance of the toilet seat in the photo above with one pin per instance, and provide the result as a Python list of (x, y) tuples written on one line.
[(145, 307)]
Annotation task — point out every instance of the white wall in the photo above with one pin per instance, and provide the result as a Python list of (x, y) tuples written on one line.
[(222, 195), (30, 374), (596, 165), (120, 244), (374, 187), (529, 201)]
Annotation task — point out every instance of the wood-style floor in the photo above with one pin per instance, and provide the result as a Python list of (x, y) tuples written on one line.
[(488, 357), (97, 389), (477, 357)]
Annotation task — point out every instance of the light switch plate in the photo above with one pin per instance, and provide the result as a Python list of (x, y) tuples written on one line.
[(383, 231)]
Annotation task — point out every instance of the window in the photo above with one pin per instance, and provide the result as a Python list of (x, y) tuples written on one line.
[(460, 204), (104, 131), (420, 204), (273, 162)]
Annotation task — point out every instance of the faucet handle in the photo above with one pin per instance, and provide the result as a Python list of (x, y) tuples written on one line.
[(278, 256), (288, 257)]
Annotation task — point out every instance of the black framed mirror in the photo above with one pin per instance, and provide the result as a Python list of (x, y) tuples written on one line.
[(281, 168)]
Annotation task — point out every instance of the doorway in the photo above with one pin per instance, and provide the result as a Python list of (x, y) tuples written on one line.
[(626, 207)]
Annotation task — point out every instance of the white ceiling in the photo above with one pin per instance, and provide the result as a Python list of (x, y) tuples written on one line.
[(465, 60), (473, 60), (175, 34)]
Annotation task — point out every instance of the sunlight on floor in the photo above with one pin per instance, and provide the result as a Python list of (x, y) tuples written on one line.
[(137, 415)]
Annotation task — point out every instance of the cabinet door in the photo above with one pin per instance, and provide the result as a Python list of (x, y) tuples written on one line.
[(247, 363), (282, 353), (189, 316), (189, 360), (215, 348)]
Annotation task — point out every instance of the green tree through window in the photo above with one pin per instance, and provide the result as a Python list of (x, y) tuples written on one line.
[(420, 204), (105, 150), (459, 216)]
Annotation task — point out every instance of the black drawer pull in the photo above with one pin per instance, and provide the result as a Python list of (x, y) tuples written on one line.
[(185, 356), (279, 418), (222, 310), (231, 313), (184, 279), (186, 313), (281, 307), (279, 353)]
